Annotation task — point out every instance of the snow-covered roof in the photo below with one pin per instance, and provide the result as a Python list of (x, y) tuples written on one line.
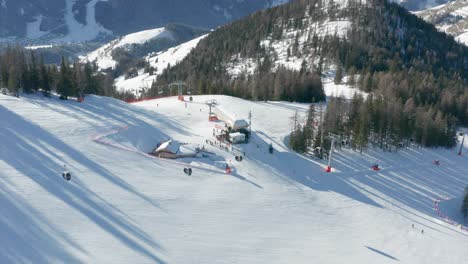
[(175, 147), (230, 118), (238, 124), (169, 146), (187, 149)]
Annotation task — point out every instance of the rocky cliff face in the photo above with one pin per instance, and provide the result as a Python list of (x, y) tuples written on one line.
[(85, 20)]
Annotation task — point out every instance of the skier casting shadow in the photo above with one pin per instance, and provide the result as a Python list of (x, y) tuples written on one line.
[(66, 175)]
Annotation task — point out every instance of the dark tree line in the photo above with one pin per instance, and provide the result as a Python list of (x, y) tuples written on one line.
[(283, 84), (305, 135), (374, 121), (388, 123), (22, 70)]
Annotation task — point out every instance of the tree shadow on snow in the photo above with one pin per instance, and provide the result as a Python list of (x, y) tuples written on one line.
[(26, 237), (28, 149), (107, 110), (382, 253), (300, 169), (407, 181)]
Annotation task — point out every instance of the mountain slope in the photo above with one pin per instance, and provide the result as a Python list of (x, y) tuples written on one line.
[(451, 18), (274, 54), (140, 44), (122, 206), (86, 20), (159, 61), (103, 56)]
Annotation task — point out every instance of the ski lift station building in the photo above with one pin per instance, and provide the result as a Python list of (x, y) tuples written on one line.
[(230, 119)]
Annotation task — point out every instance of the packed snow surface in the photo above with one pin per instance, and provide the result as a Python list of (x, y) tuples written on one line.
[(123, 206)]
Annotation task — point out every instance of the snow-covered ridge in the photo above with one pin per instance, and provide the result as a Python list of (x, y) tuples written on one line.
[(76, 31), (160, 61), (95, 20), (103, 56), (451, 18), (278, 2)]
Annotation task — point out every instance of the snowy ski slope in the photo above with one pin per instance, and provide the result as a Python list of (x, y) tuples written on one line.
[(160, 61), (123, 206), (103, 56)]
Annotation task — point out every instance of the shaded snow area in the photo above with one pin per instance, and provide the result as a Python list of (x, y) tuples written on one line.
[(124, 206), (451, 209), (160, 61), (103, 55), (83, 32), (33, 30), (76, 31)]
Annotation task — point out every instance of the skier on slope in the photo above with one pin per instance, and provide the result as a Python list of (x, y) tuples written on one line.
[(66, 174)]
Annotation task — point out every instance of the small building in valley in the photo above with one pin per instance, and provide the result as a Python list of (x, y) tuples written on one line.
[(172, 149)]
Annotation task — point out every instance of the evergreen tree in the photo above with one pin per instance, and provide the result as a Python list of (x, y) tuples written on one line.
[(65, 85), (465, 204), (91, 85), (26, 80), (363, 126), (45, 78), (309, 126), (34, 73), (338, 75), (13, 82)]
